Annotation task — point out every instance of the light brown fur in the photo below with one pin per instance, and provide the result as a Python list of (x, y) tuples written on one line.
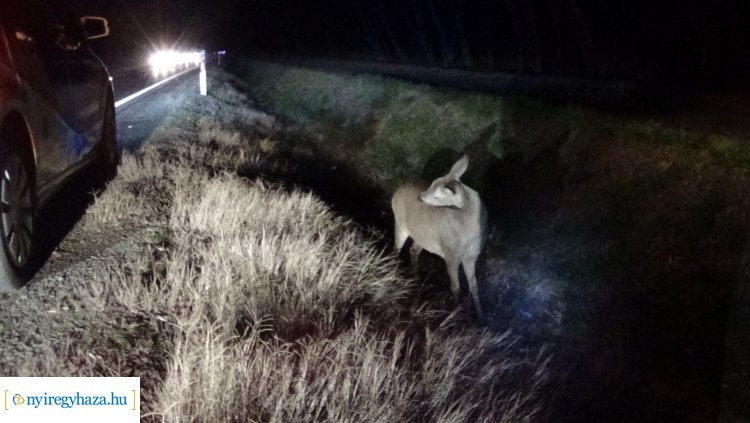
[(448, 219)]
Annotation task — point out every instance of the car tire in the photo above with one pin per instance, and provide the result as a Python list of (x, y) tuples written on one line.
[(108, 150), (16, 220)]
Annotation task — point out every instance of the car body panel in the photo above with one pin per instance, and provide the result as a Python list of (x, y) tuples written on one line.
[(50, 77)]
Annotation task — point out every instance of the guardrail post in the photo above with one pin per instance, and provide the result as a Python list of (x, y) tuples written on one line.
[(202, 75)]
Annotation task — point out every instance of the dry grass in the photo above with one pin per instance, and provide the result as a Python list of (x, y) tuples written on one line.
[(360, 375), (256, 302)]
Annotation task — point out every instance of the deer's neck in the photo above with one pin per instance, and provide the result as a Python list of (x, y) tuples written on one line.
[(468, 200)]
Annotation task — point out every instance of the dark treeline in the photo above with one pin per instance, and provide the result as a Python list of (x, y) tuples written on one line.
[(666, 41), (705, 43)]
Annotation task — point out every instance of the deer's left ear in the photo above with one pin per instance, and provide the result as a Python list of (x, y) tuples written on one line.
[(459, 167)]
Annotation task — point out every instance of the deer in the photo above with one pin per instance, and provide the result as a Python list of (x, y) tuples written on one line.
[(446, 218)]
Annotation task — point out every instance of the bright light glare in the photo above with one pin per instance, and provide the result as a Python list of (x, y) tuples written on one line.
[(168, 61)]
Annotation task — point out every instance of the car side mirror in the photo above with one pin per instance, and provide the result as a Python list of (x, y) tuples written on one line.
[(95, 27)]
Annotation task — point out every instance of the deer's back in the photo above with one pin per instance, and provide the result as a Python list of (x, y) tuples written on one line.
[(440, 230)]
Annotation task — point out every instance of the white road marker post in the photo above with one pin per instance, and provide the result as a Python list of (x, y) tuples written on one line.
[(202, 76)]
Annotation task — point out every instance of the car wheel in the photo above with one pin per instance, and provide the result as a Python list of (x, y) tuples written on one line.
[(16, 220), (109, 153)]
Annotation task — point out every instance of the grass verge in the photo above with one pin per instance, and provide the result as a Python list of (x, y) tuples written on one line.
[(251, 301)]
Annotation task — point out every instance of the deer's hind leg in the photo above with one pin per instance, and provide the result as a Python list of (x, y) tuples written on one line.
[(414, 252), (452, 266), (400, 235), (469, 264)]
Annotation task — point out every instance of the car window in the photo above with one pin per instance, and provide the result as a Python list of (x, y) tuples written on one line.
[(65, 23), (24, 19), (47, 22)]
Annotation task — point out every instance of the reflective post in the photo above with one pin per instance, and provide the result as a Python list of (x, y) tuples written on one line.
[(202, 76)]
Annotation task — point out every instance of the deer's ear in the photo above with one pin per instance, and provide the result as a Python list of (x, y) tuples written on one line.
[(452, 186), (459, 167)]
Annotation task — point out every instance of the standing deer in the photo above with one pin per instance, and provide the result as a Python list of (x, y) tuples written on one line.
[(448, 219)]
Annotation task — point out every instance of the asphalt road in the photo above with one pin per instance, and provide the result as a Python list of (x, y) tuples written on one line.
[(137, 119), (128, 82)]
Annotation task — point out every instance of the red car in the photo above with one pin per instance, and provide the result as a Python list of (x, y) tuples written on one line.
[(57, 117)]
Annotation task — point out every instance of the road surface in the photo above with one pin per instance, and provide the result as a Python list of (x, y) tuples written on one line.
[(137, 118)]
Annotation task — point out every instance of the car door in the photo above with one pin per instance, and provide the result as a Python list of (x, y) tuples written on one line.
[(87, 82), (42, 66)]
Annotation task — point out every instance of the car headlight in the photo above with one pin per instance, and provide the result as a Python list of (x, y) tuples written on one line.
[(164, 62)]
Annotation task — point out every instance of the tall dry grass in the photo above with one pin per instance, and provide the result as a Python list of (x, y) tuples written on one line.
[(285, 312)]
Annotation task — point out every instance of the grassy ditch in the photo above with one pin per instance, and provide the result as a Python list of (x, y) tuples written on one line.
[(254, 301), (391, 128), (620, 238)]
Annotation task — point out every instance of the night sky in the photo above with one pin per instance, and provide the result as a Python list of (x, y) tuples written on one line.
[(682, 42)]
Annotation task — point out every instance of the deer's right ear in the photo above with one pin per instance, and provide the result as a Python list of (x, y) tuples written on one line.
[(459, 167)]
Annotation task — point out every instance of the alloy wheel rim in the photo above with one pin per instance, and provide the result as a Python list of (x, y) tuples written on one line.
[(16, 211)]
